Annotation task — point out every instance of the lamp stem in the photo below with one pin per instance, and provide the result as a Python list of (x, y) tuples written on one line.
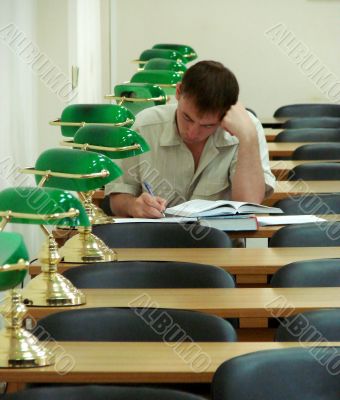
[(5, 221)]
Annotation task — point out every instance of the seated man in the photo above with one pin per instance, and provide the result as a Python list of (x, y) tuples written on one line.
[(207, 146)]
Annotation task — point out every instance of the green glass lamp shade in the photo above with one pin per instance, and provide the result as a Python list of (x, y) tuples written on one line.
[(162, 63), (186, 51), (94, 113), (12, 249), (164, 78), (76, 162), (40, 202), (112, 137), (152, 94), (169, 54)]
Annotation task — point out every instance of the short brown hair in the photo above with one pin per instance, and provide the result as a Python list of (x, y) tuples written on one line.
[(212, 87)]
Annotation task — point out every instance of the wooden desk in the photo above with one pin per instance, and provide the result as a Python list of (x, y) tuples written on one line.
[(285, 189), (271, 133), (110, 362), (271, 122), (238, 261), (227, 303)]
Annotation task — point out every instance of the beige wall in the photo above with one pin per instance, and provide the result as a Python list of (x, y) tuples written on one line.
[(234, 32)]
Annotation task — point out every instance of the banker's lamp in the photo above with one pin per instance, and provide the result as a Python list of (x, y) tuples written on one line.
[(187, 52), (137, 96), (84, 172), (45, 206), (168, 54), (166, 79), (18, 347), (75, 116), (162, 63)]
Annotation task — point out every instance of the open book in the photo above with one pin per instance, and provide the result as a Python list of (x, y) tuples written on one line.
[(207, 208)]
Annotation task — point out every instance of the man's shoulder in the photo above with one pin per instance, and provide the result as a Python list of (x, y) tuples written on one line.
[(157, 115)]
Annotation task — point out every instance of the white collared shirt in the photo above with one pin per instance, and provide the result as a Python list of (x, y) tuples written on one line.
[(169, 166)]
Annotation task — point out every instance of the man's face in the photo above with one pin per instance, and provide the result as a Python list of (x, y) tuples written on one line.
[(193, 127)]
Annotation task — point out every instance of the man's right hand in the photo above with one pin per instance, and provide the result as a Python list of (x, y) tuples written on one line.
[(144, 206), (147, 206)]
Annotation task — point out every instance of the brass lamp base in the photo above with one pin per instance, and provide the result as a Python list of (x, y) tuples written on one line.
[(97, 216), (20, 349), (51, 289), (85, 247)]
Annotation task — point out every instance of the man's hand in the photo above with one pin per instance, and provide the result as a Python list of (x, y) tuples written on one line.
[(238, 123), (146, 206)]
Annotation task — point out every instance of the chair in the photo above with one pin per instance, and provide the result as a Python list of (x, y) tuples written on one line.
[(150, 274), (309, 135), (158, 235), (140, 324), (308, 110), (310, 273), (317, 151), (323, 234), (313, 122), (326, 171), (294, 374), (316, 204), (97, 392), (311, 326)]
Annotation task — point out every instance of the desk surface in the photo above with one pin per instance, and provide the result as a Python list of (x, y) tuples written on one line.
[(271, 122), (98, 362), (281, 168), (228, 303), (235, 260), (271, 133)]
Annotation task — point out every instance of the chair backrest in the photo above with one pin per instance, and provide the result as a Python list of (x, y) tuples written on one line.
[(150, 274), (308, 110), (98, 392), (140, 324), (312, 122), (312, 326), (317, 151), (323, 234), (309, 273), (316, 204), (309, 135), (161, 235), (319, 171), (294, 374)]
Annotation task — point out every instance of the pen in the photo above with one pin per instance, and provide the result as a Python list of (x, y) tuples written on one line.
[(148, 188)]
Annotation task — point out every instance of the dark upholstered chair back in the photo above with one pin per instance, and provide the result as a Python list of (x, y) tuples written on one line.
[(294, 374), (309, 135), (323, 234), (161, 235), (97, 392), (311, 326), (316, 204), (317, 151), (312, 122), (308, 110), (149, 274), (316, 172), (140, 324), (310, 273)]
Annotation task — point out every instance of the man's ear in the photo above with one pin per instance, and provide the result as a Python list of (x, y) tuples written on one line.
[(178, 90)]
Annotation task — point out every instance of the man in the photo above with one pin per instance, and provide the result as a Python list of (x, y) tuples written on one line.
[(207, 146)]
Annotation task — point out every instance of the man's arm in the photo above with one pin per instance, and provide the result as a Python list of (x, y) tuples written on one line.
[(248, 183), (143, 206)]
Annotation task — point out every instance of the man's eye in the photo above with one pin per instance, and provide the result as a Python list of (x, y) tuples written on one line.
[(186, 118)]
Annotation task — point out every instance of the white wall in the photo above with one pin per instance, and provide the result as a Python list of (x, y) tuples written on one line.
[(234, 32)]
